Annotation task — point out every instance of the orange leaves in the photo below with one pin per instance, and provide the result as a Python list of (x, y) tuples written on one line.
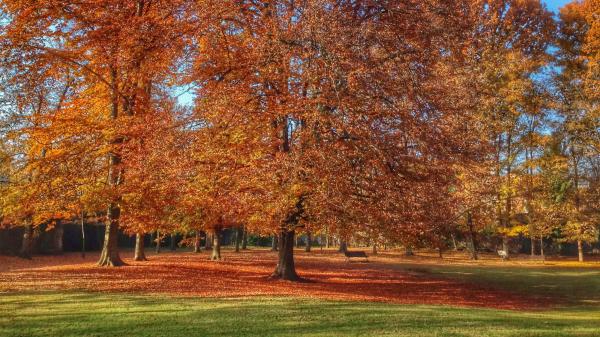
[(246, 274)]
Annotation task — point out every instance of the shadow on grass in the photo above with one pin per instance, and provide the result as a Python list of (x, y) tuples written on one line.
[(571, 286), (97, 314)]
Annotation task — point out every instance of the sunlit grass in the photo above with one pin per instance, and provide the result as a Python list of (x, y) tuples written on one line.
[(95, 314)]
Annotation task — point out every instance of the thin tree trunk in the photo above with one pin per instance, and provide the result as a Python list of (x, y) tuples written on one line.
[(542, 247), (285, 268), (454, 247), (216, 248), (374, 250), (27, 242), (197, 242), (82, 236), (343, 246), (532, 239), (244, 239), (173, 242), (472, 237), (140, 254), (308, 242), (207, 241), (580, 250), (238, 239), (440, 252), (274, 243), (157, 241), (408, 251)]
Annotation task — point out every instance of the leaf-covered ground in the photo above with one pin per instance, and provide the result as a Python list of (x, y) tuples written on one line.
[(245, 274)]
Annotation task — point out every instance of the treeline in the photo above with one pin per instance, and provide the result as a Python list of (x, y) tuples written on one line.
[(402, 122)]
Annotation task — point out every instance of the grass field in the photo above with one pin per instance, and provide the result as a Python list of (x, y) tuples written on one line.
[(567, 299)]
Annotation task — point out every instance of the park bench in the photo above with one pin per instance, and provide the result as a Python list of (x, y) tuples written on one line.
[(503, 254), (359, 254)]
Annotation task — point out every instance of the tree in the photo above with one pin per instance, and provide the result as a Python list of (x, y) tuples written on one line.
[(578, 107)]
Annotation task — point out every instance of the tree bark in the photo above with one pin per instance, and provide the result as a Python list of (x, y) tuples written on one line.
[(197, 242), (216, 247), (27, 242), (308, 242), (580, 250), (140, 254), (110, 251), (532, 240), (244, 238), (285, 268), (542, 247)]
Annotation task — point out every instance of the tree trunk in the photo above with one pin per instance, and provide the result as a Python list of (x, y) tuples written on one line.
[(27, 242), (472, 237), (532, 239), (157, 241), (238, 239), (274, 243), (580, 250), (327, 241), (285, 268), (440, 252), (408, 251), (343, 246), (542, 247), (173, 242), (454, 247), (245, 239), (374, 250), (59, 231), (308, 242), (110, 250), (140, 254), (82, 236), (216, 247), (197, 242), (207, 241)]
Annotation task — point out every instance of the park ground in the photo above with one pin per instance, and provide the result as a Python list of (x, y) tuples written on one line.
[(185, 294)]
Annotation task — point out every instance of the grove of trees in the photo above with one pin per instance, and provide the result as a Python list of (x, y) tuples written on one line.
[(397, 122)]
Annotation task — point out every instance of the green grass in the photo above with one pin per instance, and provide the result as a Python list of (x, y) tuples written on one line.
[(95, 314), (571, 285)]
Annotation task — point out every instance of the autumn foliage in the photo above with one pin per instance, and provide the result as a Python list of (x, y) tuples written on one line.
[(393, 121)]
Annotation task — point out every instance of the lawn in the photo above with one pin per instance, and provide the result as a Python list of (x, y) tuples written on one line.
[(390, 296)]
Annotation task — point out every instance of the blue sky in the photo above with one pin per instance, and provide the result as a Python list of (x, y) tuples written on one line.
[(554, 5)]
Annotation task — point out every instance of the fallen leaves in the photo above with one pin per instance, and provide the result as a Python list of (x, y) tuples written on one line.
[(245, 274)]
